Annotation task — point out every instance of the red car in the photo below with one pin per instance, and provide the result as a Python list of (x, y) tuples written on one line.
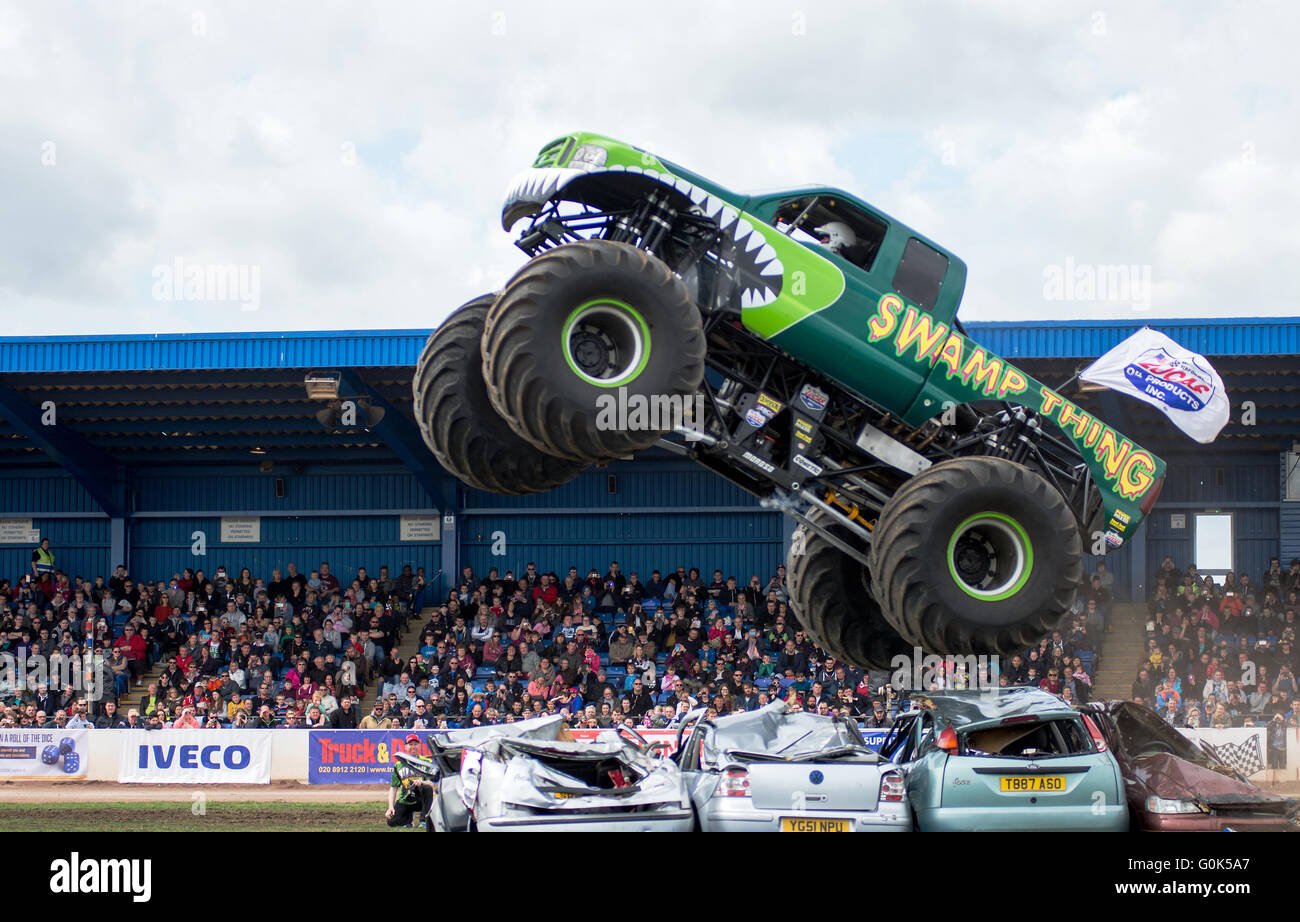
[(1172, 784)]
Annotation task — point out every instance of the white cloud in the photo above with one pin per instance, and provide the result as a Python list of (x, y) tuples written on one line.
[(1017, 134)]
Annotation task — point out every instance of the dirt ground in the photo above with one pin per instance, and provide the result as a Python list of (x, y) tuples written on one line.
[(1283, 787), (200, 816), (25, 792)]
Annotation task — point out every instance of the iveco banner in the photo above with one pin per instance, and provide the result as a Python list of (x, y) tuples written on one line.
[(195, 757), (1183, 384)]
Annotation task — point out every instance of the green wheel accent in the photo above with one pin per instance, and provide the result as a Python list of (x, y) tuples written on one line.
[(1001, 537), (610, 336)]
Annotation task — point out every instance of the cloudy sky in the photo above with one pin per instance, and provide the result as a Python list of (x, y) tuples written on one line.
[(355, 155)]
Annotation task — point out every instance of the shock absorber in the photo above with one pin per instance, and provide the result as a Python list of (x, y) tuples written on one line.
[(658, 222)]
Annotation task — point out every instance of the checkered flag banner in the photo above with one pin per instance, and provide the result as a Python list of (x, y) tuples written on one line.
[(1244, 757)]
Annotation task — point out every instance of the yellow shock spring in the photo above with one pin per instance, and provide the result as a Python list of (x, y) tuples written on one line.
[(850, 509)]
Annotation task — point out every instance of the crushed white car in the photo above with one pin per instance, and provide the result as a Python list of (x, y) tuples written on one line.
[(779, 770), (534, 776)]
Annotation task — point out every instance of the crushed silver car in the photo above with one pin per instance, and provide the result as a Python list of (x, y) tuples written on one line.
[(534, 776), (774, 769)]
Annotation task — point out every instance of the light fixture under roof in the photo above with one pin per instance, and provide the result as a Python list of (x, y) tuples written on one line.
[(322, 385)]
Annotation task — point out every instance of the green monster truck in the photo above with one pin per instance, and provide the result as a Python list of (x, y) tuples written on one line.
[(944, 497)]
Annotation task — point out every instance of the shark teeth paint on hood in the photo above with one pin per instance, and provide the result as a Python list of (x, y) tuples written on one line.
[(761, 273)]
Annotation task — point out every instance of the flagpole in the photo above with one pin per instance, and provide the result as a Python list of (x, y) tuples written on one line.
[(1060, 389)]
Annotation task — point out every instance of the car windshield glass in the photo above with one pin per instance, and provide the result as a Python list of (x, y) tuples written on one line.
[(1037, 740), (1142, 732)]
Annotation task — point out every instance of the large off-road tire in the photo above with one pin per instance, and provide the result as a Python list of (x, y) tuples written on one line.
[(457, 419), (573, 328), (831, 596), (976, 556)]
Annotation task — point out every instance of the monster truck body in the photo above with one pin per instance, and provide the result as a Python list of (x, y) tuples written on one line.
[(838, 386)]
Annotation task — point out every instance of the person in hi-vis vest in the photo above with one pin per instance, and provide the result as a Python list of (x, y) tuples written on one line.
[(43, 559)]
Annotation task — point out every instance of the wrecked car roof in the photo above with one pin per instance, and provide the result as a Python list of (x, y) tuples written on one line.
[(776, 731), (550, 727), (962, 708)]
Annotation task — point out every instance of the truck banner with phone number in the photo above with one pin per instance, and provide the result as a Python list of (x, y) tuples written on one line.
[(366, 756), (357, 756)]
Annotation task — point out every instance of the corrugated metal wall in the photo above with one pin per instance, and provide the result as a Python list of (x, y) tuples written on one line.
[(656, 485), (739, 544), (191, 351), (1288, 515), (370, 488), (80, 548), (1289, 525), (1251, 478), (1255, 532), (43, 490), (161, 547)]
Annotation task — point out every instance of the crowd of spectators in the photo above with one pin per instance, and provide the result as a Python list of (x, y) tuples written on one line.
[(297, 651), (1223, 654), (307, 650)]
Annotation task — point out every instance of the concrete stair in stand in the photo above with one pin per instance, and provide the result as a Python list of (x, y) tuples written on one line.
[(1122, 650)]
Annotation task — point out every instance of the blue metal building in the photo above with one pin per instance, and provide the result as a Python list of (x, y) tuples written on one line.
[(147, 450)]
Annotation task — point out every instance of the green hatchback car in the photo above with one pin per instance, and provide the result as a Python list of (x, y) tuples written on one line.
[(1005, 760)]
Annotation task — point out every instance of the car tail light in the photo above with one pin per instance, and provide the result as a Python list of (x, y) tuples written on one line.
[(892, 788), (1019, 720), (734, 783), (947, 739), (1097, 738)]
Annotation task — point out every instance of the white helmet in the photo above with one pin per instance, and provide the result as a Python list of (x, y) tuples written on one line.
[(839, 236)]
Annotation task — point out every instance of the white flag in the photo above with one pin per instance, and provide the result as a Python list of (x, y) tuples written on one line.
[(1152, 367)]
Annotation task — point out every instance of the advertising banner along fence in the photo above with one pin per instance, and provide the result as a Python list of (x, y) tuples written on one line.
[(44, 755), (357, 756), (195, 757), (366, 756)]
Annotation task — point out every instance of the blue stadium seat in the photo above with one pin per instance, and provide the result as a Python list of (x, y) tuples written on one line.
[(477, 685), (615, 672), (485, 672)]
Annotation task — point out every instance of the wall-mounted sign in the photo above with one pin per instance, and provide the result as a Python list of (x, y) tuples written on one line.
[(1177, 520), (420, 528), (242, 529), (18, 531)]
